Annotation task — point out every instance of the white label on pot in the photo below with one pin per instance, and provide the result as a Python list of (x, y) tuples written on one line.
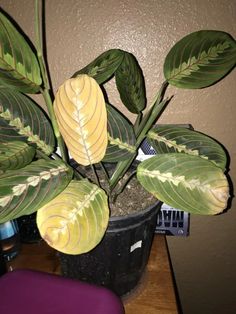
[(136, 246)]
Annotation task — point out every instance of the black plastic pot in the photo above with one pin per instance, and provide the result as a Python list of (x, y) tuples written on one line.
[(118, 262)]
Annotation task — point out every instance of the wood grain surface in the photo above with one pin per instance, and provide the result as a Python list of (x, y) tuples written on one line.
[(155, 294)]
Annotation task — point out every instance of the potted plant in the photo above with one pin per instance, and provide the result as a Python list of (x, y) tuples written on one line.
[(38, 149)]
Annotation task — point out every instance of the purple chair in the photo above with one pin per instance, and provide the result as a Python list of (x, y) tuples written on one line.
[(33, 292)]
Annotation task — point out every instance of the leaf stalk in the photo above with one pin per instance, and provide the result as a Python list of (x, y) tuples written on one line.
[(45, 90)]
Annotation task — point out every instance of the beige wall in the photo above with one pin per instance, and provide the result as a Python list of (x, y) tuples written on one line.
[(77, 31)]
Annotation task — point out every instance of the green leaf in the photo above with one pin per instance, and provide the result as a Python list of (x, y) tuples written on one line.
[(172, 139), (22, 120), (15, 155), (18, 64), (121, 137), (185, 182), (200, 59), (130, 84), (24, 191), (75, 221), (104, 66)]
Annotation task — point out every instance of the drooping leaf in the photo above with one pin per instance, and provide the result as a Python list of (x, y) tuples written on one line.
[(104, 66), (186, 182), (18, 64), (24, 190), (172, 139), (75, 221), (130, 84), (121, 137), (81, 114), (15, 155), (22, 120), (200, 59)]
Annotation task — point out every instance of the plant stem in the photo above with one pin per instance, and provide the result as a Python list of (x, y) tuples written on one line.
[(95, 175), (157, 99), (155, 111), (106, 175), (121, 169), (45, 90), (61, 144), (137, 122), (123, 185)]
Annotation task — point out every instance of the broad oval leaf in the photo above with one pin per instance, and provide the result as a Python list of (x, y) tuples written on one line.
[(130, 84), (22, 120), (186, 182), (104, 66), (200, 59), (15, 155), (75, 221), (24, 191), (172, 139), (121, 137), (18, 64), (82, 118)]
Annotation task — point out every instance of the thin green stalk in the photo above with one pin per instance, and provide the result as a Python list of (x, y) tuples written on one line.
[(78, 175), (39, 43), (138, 121), (45, 91), (61, 144), (104, 171), (55, 156), (123, 185), (157, 99), (147, 122), (95, 175), (121, 169), (156, 112)]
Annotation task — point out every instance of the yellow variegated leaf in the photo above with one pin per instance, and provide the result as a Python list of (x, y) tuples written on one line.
[(75, 221), (81, 113), (186, 182)]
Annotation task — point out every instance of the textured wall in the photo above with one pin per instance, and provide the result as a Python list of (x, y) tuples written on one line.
[(77, 31)]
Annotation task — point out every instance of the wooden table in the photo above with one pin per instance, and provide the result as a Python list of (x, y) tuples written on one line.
[(154, 295)]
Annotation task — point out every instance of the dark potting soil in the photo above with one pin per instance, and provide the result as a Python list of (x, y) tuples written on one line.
[(132, 199)]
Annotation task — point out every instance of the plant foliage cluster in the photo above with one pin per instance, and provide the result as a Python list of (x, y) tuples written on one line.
[(188, 171)]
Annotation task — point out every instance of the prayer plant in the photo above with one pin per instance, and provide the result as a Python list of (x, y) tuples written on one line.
[(188, 171)]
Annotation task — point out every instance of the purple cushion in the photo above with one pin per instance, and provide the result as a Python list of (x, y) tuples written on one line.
[(33, 292)]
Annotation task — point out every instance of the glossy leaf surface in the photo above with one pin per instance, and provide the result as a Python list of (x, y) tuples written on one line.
[(18, 64), (130, 84), (24, 191), (15, 155), (75, 221), (104, 66), (185, 182), (81, 114), (22, 120), (200, 59), (121, 137), (172, 139)]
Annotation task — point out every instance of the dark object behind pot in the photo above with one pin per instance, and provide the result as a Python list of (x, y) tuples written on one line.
[(28, 229), (3, 266), (120, 259)]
